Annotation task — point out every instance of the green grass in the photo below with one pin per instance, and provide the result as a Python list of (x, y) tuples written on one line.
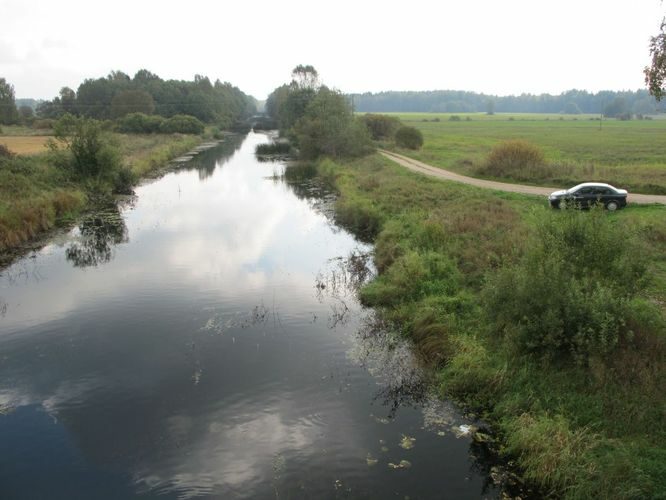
[(624, 153), (146, 153), (575, 431), (35, 196)]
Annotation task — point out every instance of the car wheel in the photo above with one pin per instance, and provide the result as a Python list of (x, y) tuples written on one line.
[(612, 206)]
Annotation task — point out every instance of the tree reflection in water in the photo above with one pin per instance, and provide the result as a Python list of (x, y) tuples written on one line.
[(99, 233)]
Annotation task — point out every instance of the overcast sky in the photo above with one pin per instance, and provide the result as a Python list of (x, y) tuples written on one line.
[(492, 46)]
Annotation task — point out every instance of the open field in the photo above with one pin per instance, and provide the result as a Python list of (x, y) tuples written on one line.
[(25, 145), (577, 148)]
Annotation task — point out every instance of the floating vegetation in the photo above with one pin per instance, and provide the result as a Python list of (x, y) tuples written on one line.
[(220, 322), (6, 409), (407, 442), (380, 420), (403, 464), (482, 437), (384, 448), (196, 377), (279, 465), (370, 460)]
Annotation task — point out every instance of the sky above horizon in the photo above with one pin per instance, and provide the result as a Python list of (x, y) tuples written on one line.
[(499, 48)]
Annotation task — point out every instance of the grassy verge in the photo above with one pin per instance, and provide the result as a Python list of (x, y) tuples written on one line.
[(593, 430), (35, 196), (577, 148), (147, 153)]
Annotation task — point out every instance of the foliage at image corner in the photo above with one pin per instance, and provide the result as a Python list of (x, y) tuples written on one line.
[(655, 74)]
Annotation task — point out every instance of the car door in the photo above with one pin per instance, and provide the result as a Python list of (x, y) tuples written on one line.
[(603, 195), (583, 197)]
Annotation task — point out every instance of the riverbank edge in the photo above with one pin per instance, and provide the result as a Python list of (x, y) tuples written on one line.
[(539, 444), (56, 216)]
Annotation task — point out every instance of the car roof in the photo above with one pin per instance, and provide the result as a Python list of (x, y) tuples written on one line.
[(594, 184)]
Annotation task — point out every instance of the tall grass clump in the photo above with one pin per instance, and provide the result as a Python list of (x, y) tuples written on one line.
[(575, 294), (274, 148), (516, 159)]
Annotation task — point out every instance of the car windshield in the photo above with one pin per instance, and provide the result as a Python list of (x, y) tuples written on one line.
[(575, 188)]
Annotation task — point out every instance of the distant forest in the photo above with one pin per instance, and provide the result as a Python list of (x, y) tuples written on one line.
[(118, 94), (611, 103)]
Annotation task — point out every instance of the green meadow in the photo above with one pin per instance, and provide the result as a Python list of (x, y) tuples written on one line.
[(455, 262), (577, 148)]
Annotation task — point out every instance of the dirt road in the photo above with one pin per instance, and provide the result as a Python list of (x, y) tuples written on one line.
[(426, 169)]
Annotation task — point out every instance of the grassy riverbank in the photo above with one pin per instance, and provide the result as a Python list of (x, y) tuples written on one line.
[(577, 148), (578, 429), (35, 196)]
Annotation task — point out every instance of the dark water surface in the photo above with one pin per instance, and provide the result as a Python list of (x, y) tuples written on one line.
[(205, 341)]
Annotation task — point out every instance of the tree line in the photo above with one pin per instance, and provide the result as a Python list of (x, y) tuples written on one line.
[(317, 120), (118, 95), (610, 103)]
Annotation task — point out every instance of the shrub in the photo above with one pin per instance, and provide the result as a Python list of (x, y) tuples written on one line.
[(84, 150), (139, 123), (454, 118), (381, 126), (273, 148), (516, 158), (182, 124), (572, 295), (43, 124), (124, 180), (409, 137)]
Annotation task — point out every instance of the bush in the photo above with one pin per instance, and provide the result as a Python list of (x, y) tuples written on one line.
[(381, 126), (139, 123), (516, 158), (273, 148), (573, 294), (409, 137), (182, 124), (84, 150), (454, 118), (43, 124), (124, 180)]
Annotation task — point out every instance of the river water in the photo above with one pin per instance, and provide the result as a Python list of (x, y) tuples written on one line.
[(204, 341)]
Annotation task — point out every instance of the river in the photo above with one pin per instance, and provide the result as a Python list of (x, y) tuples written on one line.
[(204, 340)]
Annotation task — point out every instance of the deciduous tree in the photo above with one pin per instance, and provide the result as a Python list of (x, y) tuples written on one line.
[(655, 74), (132, 101), (8, 111)]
